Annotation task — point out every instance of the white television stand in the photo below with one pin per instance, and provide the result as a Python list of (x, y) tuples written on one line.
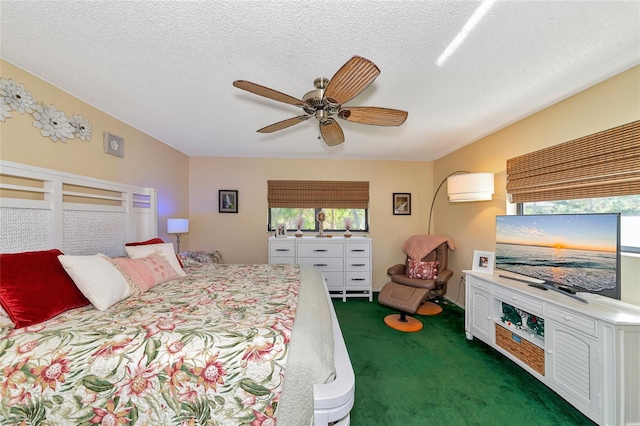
[(588, 353)]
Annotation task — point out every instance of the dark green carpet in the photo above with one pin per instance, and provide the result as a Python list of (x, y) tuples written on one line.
[(438, 377)]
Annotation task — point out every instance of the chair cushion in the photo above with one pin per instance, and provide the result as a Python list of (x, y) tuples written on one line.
[(423, 270), (414, 282), (401, 297)]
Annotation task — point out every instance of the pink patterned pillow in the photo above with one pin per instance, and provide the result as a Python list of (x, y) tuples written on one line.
[(145, 272), (423, 270)]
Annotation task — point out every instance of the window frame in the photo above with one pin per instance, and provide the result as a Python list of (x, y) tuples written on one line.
[(316, 227), (520, 210)]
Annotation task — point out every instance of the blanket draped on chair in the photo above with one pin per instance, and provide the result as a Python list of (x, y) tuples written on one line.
[(418, 246)]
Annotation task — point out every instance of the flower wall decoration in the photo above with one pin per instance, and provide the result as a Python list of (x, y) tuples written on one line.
[(16, 96), (51, 122), (4, 109), (82, 127)]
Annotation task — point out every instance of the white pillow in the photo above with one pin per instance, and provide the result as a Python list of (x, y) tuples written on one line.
[(166, 249), (97, 278)]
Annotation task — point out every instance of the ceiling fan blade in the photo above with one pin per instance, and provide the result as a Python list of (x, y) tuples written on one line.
[(331, 132), (350, 80), (268, 93), (374, 115), (284, 124)]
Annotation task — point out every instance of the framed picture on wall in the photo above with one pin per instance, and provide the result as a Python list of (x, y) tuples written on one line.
[(113, 145), (402, 203), (483, 261), (227, 201)]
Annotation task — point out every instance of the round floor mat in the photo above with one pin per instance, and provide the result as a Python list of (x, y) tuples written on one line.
[(429, 308), (410, 326)]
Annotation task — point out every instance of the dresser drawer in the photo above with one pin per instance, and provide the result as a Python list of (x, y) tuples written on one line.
[(358, 250), (478, 283), (281, 249), (358, 279), (572, 319), (320, 250), (519, 300), (323, 264), (358, 264)]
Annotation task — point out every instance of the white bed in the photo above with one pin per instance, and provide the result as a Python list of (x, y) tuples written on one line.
[(41, 209)]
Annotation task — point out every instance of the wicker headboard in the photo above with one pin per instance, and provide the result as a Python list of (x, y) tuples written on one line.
[(42, 209)]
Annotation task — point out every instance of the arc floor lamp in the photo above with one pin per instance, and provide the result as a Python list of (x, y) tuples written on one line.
[(463, 186)]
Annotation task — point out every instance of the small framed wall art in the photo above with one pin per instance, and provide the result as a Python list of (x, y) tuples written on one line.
[(227, 201), (483, 261), (113, 145), (402, 203)]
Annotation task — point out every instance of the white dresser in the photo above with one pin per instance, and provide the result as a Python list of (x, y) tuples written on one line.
[(588, 353), (345, 262)]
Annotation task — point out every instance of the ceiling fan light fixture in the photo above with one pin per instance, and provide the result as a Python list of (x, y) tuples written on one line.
[(321, 115), (350, 80)]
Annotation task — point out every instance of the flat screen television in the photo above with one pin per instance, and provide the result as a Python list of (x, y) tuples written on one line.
[(580, 252)]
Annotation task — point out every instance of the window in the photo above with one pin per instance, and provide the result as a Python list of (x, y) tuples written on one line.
[(334, 218), (628, 207), (597, 173), (290, 199)]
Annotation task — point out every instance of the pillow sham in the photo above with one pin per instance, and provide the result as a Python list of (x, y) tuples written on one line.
[(136, 252), (34, 287), (97, 278), (153, 241), (145, 272), (423, 270)]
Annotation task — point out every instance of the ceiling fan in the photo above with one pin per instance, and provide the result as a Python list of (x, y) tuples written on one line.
[(327, 100)]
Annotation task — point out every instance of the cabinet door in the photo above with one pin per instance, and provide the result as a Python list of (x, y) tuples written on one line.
[(572, 367), (481, 321)]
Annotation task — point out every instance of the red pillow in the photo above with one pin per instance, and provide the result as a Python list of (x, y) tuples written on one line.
[(153, 241), (144, 243), (423, 270), (35, 287)]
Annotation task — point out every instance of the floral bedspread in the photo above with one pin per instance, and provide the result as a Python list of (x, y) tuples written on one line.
[(208, 348)]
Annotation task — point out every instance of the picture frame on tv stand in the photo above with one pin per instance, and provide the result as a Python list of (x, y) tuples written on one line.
[(483, 261)]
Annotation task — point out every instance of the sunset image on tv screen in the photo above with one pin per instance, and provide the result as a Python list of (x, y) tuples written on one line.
[(576, 250)]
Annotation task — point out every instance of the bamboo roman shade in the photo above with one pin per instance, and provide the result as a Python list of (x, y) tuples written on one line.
[(603, 164), (318, 193)]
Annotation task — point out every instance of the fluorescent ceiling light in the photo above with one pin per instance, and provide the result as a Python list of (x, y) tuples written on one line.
[(471, 23)]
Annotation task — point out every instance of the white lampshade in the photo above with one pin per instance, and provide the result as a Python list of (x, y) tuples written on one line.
[(177, 226), (470, 187)]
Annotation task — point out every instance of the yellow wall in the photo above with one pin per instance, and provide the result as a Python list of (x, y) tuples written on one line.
[(147, 162), (242, 237), (188, 187), (472, 225)]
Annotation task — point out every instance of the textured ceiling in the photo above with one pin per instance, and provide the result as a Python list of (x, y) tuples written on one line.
[(167, 68)]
